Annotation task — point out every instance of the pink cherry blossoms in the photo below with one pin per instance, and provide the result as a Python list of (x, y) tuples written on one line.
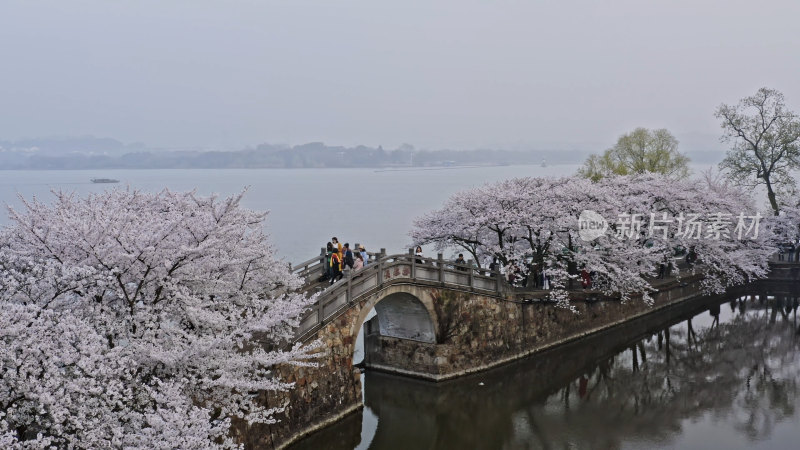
[(140, 320), (534, 222)]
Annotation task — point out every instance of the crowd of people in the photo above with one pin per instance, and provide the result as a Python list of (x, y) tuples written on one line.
[(340, 257), (536, 277)]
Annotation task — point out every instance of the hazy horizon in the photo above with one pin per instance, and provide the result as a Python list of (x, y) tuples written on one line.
[(436, 74)]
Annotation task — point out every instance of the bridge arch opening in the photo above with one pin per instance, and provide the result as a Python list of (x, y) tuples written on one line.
[(403, 315), (399, 315)]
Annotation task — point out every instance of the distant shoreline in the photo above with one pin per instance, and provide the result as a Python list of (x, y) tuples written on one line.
[(372, 168)]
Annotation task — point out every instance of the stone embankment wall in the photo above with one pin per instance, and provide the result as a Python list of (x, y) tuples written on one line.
[(322, 395), (484, 332)]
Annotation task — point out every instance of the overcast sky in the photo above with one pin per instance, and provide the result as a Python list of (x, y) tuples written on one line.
[(434, 73)]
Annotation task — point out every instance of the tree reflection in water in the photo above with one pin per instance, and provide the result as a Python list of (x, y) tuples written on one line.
[(734, 364)]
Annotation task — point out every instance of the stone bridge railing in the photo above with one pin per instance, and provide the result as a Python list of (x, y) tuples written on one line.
[(383, 270)]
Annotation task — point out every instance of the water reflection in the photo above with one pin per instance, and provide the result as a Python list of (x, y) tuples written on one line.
[(724, 378)]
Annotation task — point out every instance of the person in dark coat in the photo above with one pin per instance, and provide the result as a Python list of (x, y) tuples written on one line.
[(494, 266), (328, 253), (691, 257), (348, 256), (461, 264)]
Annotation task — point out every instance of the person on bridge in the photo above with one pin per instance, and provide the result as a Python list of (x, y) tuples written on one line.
[(364, 255), (348, 256), (791, 251), (461, 264), (586, 279), (359, 264), (328, 252), (545, 279), (418, 254), (494, 267), (797, 251), (691, 257), (338, 246), (336, 267), (512, 274), (535, 277)]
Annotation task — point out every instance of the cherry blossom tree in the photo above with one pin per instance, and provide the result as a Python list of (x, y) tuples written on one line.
[(139, 320), (719, 223), (787, 222), (532, 225)]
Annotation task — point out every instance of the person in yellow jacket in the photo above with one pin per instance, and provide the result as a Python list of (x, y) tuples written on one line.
[(336, 267), (338, 245)]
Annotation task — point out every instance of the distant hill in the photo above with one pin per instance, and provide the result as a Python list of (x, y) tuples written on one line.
[(101, 153), (87, 145), (89, 152)]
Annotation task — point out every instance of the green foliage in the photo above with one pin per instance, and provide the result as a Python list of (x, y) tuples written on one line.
[(638, 152)]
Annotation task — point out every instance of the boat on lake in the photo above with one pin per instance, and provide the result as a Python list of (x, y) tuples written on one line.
[(104, 180)]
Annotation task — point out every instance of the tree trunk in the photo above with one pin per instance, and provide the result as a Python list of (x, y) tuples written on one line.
[(771, 195)]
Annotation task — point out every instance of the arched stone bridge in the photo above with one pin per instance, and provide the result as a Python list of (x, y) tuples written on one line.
[(398, 287), (402, 289), (435, 321)]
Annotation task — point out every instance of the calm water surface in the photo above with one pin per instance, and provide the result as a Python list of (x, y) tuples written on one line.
[(724, 377), (307, 206)]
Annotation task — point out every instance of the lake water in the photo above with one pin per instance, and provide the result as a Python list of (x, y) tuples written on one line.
[(725, 376), (307, 206)]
